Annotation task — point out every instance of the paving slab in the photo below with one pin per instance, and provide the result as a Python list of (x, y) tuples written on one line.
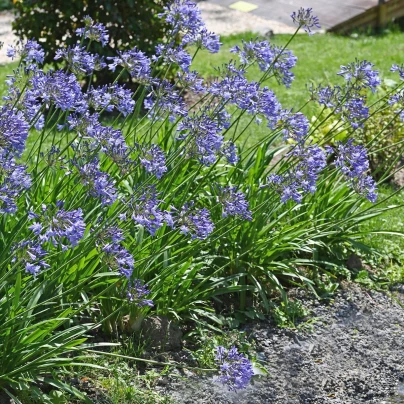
[(329, 12), (225, 21)]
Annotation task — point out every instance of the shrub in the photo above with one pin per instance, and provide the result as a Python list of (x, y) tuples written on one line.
[(130, 23), (107, 221)]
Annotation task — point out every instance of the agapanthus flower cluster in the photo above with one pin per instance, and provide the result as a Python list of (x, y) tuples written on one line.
[(109, 97), (355, 111), (164, 100), (235, 89), (191, 81), (185, 19), (183, 16), (194, 221), (57, 87), (79, 61), (205, 139), (55, 225), (153, 160), (203, 39), (174, 55), (353, 162), (114, 255), (146, 212), (270, 59), (398, 99), (135, 62), (399, 69), (233, 202), (360, 75), (13, 130), (302, 177), (93, 31), (350, 103), (30, 52), (13, 181), (31, 255), (229, 151), (136, 293), (304, 18), (295, 126), (235, 369), (327, 96), (99, 183)]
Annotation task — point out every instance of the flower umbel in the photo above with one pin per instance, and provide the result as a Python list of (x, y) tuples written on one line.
[(304, 18), (235, 369)]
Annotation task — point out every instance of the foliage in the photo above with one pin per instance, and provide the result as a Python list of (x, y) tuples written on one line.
[(109, 218), (130, 23), (6, 5)]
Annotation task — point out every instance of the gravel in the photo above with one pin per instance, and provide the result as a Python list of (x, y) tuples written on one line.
[(353, 353)]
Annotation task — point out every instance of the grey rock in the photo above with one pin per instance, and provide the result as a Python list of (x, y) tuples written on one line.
[(162, 333)]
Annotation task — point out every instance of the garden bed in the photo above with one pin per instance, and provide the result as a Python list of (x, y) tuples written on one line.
[(348, 351)]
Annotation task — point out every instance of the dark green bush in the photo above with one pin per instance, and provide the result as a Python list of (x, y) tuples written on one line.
[(130, 23)]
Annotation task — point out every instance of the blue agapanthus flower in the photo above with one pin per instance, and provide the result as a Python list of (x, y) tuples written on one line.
[(234, 203), (93, 31), (113, 254), (270, 58), (203, 39), (327, 96), (30, 52), (118, 259), (360, 75), (399, 69), (175, 55), (135, 62), (59, 88), (99, 183), (235, 369), (13, 130), (109, 97), (56, 225), (136, 293), (229, 151), (205, 138), (153, 160), (355, 111), (183, 16), (165, 100), (304, 18), (193, 221), (295, 126), (191, 81), (353, 162), (31, 255), (301, 178), (398, 99), (146, 212), (14, 180)]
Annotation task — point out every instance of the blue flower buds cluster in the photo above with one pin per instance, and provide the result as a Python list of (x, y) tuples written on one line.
[(304, 18), (353, 162), (235, 369)]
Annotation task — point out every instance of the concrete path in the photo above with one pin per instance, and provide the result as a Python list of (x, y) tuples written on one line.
[(233, 16), (6, 35)]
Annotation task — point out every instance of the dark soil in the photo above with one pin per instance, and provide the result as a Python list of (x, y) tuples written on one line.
[(353, 353)]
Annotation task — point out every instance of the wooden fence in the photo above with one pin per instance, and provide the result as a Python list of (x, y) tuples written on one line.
[(374, 17)]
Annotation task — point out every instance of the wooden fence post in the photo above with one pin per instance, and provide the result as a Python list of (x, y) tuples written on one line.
[(382, 14)]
